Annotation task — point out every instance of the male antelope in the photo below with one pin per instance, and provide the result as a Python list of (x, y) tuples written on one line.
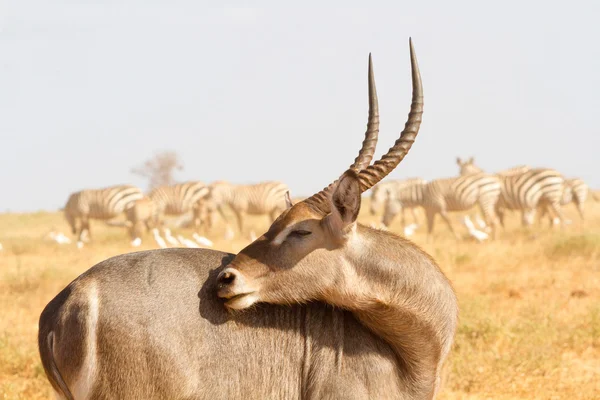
[(149, 325)]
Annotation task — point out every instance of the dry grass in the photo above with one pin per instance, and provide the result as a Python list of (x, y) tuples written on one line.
[(530, 309)]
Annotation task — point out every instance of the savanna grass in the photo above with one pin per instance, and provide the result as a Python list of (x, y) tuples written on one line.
[(529, 321)]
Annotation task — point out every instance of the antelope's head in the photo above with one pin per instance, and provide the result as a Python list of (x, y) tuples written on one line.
[(299, 258), (467, 167)]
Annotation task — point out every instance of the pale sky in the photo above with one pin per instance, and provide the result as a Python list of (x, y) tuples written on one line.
[(90, 89)]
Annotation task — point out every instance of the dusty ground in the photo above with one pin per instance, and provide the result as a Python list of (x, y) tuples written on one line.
[(530, 309)]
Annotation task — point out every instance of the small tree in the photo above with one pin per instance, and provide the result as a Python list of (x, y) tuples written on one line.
[(160, 169)]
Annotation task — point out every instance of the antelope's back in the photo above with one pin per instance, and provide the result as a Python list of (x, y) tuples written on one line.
[(149, 325)]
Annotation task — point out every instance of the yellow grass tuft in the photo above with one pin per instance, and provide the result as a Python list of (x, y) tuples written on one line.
[(530, 303)]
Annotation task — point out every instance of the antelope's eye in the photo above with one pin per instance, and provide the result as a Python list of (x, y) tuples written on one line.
[(299, 233)]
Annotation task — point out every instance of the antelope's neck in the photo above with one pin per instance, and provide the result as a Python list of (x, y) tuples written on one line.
[(396, 290)]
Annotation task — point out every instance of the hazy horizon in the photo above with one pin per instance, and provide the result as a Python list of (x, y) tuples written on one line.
[(89, 91)]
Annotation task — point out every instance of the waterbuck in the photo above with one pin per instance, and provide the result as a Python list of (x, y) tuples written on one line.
[(339, 311)]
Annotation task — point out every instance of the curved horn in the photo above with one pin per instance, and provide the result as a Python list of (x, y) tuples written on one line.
[(365, 155), (369, 176), (381, 168)]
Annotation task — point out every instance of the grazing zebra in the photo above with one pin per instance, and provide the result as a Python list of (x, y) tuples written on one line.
[(102, 204), (461, 194), (525, 189), (396, 196), (576, 191), (176, 200), (141, 214), (262, 198)]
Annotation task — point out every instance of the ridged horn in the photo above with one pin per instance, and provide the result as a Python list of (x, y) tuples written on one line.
[(381, 168), (372, 174), (365, 155)]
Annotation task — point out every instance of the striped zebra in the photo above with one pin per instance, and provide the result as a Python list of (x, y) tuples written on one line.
[(462, 193), (524, 190), (141, 215), (396, 196), (575, 191), (102, 204), (270, 198), (176, 200)]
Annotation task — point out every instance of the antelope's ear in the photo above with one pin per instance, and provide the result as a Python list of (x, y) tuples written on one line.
[(288, 200), (459, 161), (345, 203)]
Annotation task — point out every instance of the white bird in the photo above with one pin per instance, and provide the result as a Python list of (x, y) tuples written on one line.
[(477, 234), (228, 233), (159, 240), (62, 239), (468, 223), (172, 241), (410, 229), (556, 221), (136, 242), (187, 242), (202, 240), (480, 236), (59, 237)]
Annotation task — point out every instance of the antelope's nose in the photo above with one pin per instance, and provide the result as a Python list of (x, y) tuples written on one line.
[(230, 282), (227, 277)]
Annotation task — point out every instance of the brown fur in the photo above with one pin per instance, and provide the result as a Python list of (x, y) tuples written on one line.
[(392, 286), (157, 337), (148, 348)]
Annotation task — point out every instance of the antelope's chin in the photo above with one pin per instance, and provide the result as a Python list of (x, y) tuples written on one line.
[(241, 301)]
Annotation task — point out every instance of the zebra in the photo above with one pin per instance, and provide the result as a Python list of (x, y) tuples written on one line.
[(576, 191), (176, 200), (141, 214), (103, 204), (461, 194), (396, 196), (524, 188), (262, 198)]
